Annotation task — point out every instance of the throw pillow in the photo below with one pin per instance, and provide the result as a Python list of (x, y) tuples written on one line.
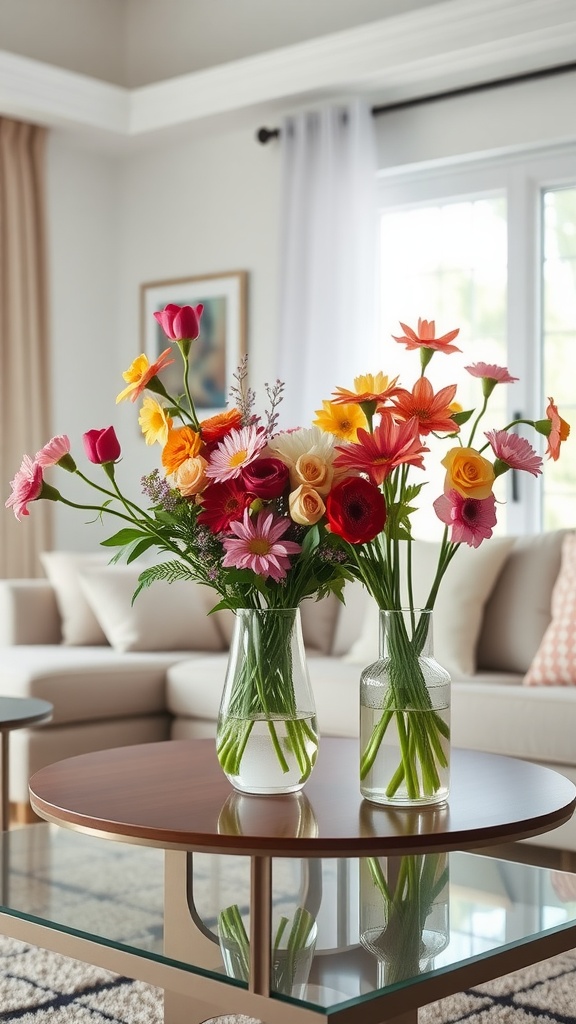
[(80, 627), (555, 661), (459, 605), (164, 617)]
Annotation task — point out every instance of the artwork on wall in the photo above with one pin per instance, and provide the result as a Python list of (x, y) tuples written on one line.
[(216, 354)]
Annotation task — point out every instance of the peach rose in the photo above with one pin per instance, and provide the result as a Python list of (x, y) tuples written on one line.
[(190, 478), (306, 505), (468, 472), (312, 471)]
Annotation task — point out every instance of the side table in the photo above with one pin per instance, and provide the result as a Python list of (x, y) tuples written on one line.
[(15, 713)]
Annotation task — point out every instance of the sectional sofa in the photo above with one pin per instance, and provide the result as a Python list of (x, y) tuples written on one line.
[(120, 673)]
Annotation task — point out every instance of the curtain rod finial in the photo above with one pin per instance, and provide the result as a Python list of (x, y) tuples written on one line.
[(265, 134)]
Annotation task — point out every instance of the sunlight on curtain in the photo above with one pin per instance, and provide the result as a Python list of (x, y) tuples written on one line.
[(24, 357), (328, 284)]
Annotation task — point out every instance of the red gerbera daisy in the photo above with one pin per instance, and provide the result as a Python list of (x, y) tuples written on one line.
[(223, 504)]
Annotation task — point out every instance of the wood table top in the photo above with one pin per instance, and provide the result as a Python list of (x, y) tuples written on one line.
[(17, 712), (174, 795)]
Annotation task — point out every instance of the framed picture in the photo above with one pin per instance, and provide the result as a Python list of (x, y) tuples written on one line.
[(216, 354)]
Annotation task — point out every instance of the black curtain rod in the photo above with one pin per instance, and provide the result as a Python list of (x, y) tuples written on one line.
[(265, 134)]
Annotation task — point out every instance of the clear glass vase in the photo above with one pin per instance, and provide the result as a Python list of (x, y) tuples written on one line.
[(405, 716), (267, 738), (404, 912)]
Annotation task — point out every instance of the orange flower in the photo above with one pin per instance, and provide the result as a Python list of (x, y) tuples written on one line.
[(216, 427), (369, 387), (468, 472), (140, 373), (433, 412), (425, 337), (559, 430), (378, 454), (183, 443)]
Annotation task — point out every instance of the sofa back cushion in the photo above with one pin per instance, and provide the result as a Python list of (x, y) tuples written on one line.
[(79, 625), (164, 617), (555, 661), (518, 613), (459, 606)]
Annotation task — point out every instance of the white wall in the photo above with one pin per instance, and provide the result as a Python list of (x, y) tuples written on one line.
[(211, 205)]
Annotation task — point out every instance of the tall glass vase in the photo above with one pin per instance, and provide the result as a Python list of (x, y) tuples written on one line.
[(267, 738), (405, 716)]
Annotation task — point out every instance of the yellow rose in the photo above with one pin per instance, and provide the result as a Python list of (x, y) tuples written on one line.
[(312, 471), (190, 477), (468, 472), (306, 505)]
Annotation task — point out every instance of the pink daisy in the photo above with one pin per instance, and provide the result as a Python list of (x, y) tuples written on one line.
[(234, 452), (26, 486), (52, 452), (256, 545), (471, 519), (515, 451)]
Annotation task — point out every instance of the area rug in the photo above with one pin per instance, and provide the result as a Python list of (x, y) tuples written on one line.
[(37, 987)]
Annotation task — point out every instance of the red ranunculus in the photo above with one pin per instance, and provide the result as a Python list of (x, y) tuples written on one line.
[(267, 478), (101, 446), (356, 510), (180, 323)]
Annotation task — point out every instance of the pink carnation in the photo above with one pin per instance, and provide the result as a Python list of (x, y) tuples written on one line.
[(471, 519), (52, 452), (515, 451), (26, 486), (489, 371)]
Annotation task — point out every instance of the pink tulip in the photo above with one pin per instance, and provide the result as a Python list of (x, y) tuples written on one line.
[(26, 486), (180, 323), (101, 446)]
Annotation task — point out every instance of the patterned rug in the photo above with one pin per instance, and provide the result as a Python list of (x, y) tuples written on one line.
[(37, 987)]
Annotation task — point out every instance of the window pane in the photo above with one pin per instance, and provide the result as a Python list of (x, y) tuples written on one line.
[(447, 262), (559, 346)]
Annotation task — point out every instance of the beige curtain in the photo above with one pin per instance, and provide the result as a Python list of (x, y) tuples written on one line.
[(24, 343)]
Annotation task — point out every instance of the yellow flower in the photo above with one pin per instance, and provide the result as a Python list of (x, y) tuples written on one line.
[(154, 421), (141, 373), (368, 387), (341, 420), (468, 472)]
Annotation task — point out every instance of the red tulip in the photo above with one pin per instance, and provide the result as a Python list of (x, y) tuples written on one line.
[(180, 323), (101, 446)]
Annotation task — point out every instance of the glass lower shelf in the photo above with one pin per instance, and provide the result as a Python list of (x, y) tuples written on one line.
[(343, 930)]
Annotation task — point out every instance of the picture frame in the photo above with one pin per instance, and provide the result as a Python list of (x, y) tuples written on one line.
[(221, 345)]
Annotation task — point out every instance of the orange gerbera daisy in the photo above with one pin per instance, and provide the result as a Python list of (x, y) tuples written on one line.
[(368, 387), (425, 337), (433, 411), (140, 373), (216, 427), (392, 444), (183, 443)]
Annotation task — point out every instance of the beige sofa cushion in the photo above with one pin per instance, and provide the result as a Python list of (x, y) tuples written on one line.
[(459, 605), (79, 624), (163, 617), (517, 613)]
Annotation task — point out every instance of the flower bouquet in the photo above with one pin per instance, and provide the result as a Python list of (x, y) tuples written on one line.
[(254, 513), (404, 696)]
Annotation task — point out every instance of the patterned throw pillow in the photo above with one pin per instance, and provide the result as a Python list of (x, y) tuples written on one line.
[(555, 660)]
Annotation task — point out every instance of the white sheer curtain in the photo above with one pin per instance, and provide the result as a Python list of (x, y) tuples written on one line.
[(328, 260)]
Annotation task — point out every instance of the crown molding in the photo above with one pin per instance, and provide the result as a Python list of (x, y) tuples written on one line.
[(450, 43)]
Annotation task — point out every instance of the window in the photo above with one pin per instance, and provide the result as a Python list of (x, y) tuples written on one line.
[(490, 248)]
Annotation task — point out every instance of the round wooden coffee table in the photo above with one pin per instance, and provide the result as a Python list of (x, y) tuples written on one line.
[(16, 713), (175, 795)]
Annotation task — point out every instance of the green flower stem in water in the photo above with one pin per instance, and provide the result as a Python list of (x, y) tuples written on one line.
[(263, 690), (408, 706), (284, 961)]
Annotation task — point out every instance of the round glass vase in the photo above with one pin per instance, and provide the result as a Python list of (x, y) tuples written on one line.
[(267, 738), (405, 716)]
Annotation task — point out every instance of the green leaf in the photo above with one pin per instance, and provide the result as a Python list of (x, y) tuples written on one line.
[(462, 417), (311, 541), (123, 537), (139, 549)]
